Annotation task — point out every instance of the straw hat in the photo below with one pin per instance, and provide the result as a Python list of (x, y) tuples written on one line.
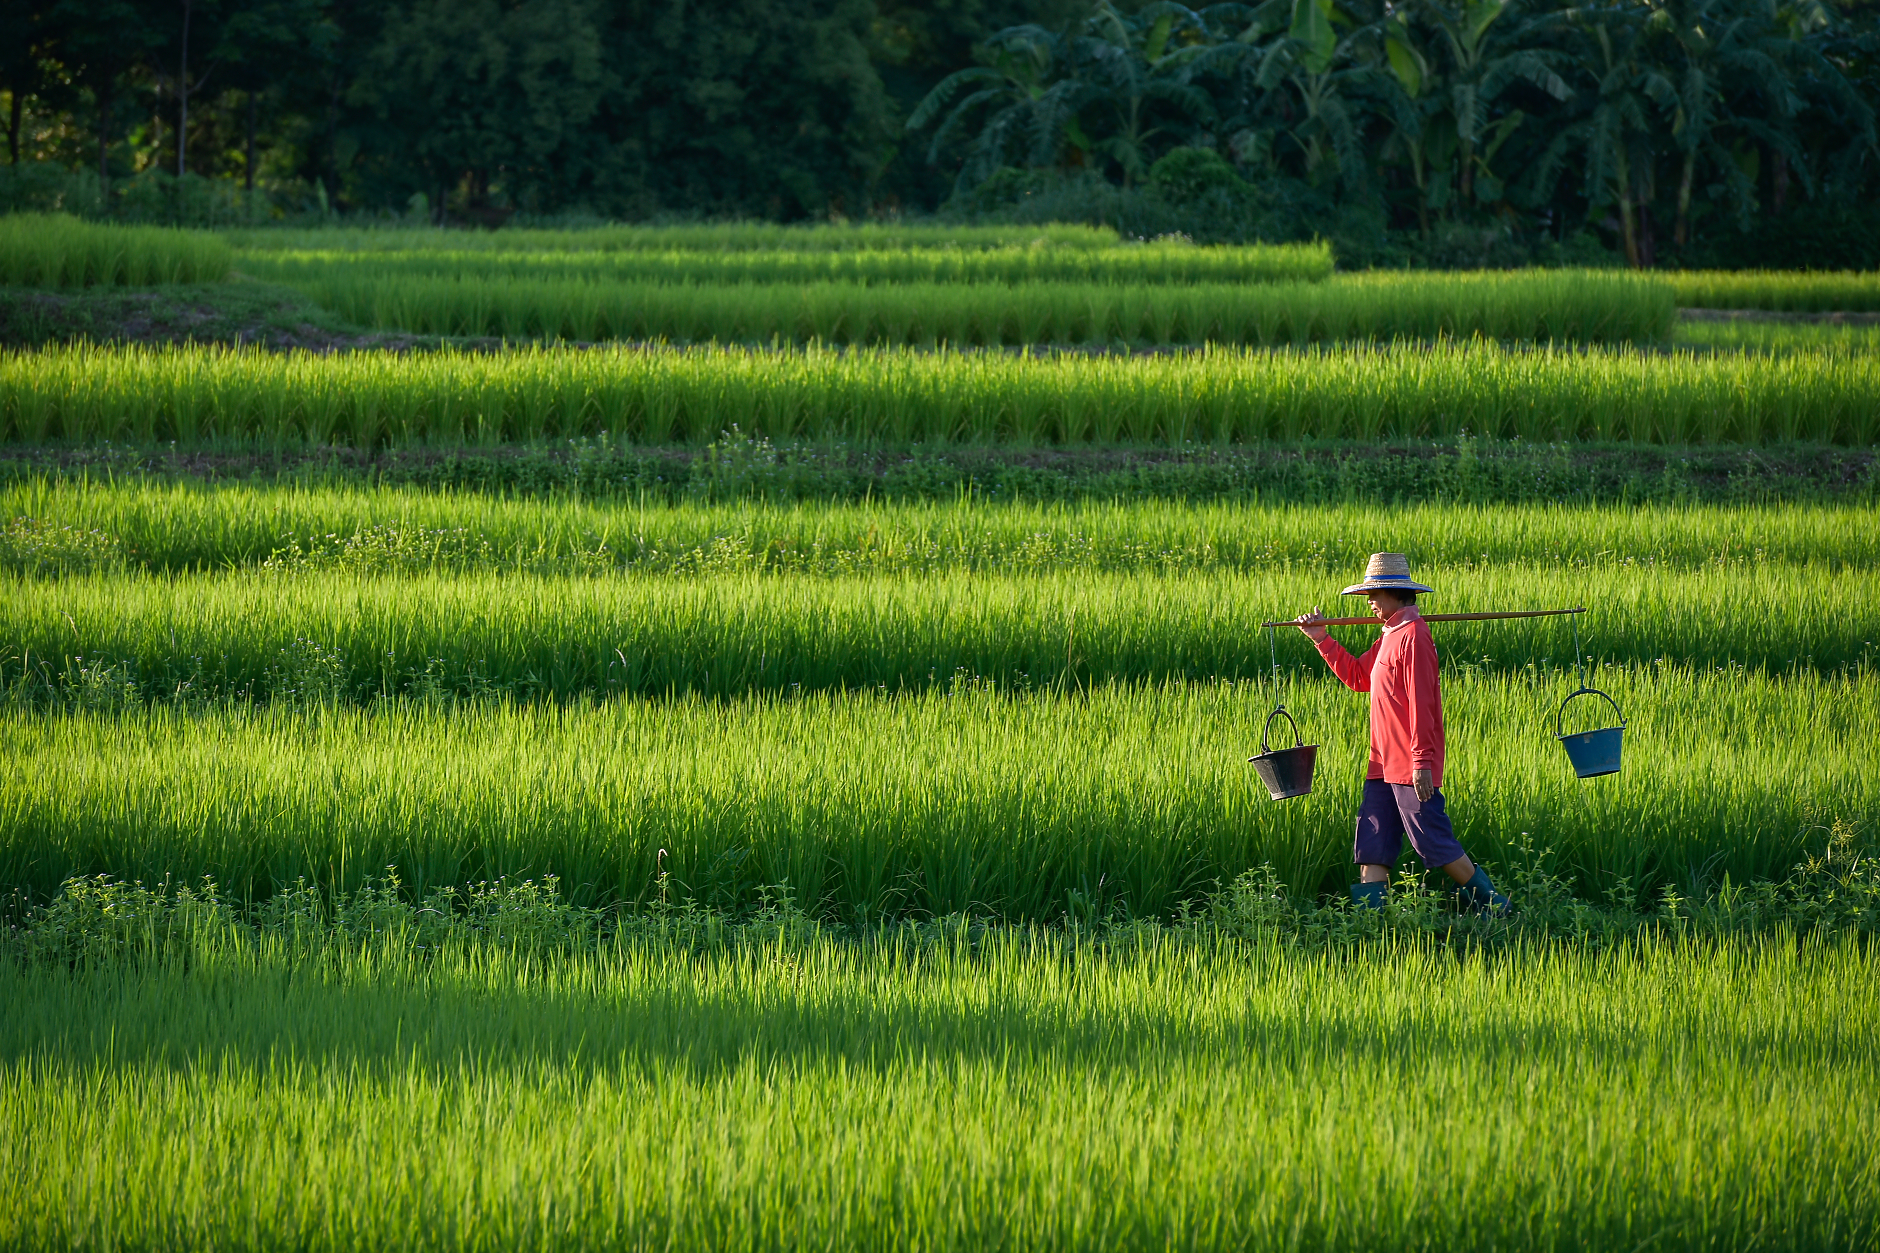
[(1387, 572)]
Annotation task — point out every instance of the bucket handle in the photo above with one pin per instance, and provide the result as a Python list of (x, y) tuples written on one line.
[(1586, 691), (1579, 666), (1279, 711), (1279, 708)]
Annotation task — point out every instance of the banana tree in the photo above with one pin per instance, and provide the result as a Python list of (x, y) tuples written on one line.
[(1018, 102), (1135, 69), (1723, 58), (1304, 77), (1468, 55), (1118, 77), (1624, 117), (1747, 72), (1325, 75), (1421, 135)]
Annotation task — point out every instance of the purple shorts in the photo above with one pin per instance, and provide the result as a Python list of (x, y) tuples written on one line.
[(1389, 810)]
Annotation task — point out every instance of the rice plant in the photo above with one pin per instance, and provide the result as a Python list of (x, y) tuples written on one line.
[(1594, 307), (1786, 290), (332, 271), (194, 395), (728, 631), (695, 237), (54, 250), (78, 525), (1851, 339), (873, 804), (1026, 1096)]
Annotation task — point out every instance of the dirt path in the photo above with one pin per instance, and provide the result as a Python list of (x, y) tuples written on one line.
[(1773, 315)]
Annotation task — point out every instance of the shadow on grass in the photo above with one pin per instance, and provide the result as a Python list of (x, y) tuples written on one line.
[(661, 1011)]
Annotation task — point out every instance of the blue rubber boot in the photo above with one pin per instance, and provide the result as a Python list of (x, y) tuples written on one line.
[(1480, 894), (1368, 895)]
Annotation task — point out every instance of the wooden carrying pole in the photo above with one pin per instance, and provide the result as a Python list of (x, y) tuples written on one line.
[(1437, 617)]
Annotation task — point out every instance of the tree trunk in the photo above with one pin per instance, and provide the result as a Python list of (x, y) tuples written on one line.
[(104, 136), (1781, 180), (182, 99), (248, 161), (332, 139), (1647, 197), (13, 126), (1625, 214), (1682, 235)]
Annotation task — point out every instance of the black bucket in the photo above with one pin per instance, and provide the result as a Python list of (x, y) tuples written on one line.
[(1593, 753), (1287, 772)]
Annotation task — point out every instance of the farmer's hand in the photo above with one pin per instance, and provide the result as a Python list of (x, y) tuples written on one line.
[(1425, 784), (1309, 623)]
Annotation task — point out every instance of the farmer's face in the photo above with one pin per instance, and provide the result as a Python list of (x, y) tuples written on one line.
[(1383, 604)]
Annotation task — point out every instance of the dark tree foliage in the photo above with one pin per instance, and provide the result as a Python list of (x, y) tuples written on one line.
[(741, 107), (1653, 120), (474, 93), (1675, 130), (621, 108)]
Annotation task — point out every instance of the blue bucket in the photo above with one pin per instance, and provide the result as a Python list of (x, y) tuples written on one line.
[(1593, 753)]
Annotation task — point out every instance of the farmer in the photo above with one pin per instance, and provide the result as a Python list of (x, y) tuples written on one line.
[(1403, 786)]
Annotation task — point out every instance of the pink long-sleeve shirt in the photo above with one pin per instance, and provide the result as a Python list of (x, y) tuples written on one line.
[(1399, 671)]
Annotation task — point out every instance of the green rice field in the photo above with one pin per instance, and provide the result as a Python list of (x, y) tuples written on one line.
[(1594, 307), (728, 633), (325, 269), (150, 524), (1012, 639), (876, 805), (633, 858), (1028, 1095), (702, 238), (52, 250), (653, 396), (1851, 338), (1810, 292)]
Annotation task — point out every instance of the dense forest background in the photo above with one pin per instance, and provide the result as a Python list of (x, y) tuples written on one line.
[(1420, 132)]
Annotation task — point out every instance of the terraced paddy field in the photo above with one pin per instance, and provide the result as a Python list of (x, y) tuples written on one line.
[(751, 796), (1040, 697), (1023, 1092), (875, 805), (201, 395)]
